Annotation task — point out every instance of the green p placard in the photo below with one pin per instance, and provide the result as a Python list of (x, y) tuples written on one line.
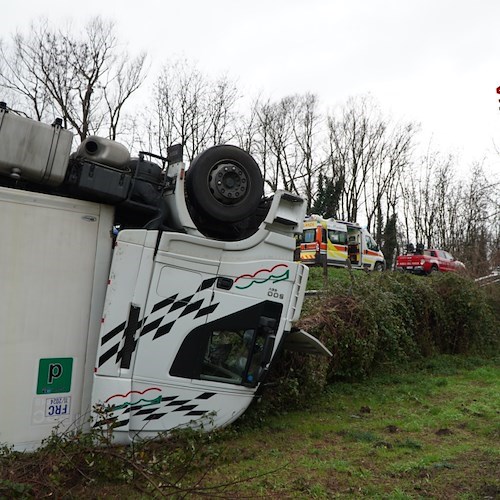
[(54, 375)]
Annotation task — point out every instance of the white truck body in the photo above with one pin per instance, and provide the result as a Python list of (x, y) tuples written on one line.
[(55, 255), (156, 328)]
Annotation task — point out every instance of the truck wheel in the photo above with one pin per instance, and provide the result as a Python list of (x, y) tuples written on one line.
[(434, 270), (224, 183), (379, 266)]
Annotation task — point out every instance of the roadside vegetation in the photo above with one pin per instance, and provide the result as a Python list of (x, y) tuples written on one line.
[(408, 406), (373, 321)]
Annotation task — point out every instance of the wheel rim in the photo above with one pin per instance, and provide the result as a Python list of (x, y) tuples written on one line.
[(228, 183)]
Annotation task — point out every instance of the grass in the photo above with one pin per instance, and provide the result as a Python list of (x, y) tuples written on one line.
[(423, 433), (426, 429), (316, 279), (430, 431)]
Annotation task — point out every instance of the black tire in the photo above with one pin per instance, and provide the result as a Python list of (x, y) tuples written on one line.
[(225, 184), (378, 267), (434, 270)]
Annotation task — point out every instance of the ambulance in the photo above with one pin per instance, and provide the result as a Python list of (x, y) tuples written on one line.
[(339, 243)]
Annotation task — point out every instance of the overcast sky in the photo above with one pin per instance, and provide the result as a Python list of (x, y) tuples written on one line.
[(435, 62)]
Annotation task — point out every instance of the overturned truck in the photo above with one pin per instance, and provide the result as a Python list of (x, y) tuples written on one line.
[(157, 294)]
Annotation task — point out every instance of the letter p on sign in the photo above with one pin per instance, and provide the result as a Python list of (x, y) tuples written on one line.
[(54, 375), (55, 371)]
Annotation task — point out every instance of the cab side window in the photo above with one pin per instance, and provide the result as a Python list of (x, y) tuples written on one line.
[(227, 355), (370, 244), (233, 349)]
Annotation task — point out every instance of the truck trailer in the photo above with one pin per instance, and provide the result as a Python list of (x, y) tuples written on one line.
[(134, 288)]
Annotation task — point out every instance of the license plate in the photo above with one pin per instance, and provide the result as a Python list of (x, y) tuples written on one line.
[(56, 407), (409, 267)]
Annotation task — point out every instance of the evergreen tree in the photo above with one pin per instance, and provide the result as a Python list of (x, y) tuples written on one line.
[(390, 241), (328, 197)]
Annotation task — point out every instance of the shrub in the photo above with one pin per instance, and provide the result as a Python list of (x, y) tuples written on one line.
[(374, 321), (74, 464)]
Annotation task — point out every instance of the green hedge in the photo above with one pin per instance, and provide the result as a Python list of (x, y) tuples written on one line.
[(375, 321)]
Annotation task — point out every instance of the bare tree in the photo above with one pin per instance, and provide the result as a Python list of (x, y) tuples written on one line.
[(355, 140), (84, 80), (381, 191), (286, 143), (276, 119), (305, 124), (264, 114), (246, 129), (192, 109), (368, 154), (128, 78), (222, 98), (479, 221), (19, 82), (426, 191)]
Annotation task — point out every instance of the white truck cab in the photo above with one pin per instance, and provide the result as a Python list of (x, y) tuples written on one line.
[(124, 298), (191, 340)]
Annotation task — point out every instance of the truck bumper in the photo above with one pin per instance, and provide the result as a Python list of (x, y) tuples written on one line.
[(411, 269)]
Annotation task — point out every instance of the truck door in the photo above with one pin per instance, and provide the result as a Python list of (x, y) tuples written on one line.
[(180, 299), (446, 261), (308, 245), (322, 247), (202, 345), (368, 254)]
